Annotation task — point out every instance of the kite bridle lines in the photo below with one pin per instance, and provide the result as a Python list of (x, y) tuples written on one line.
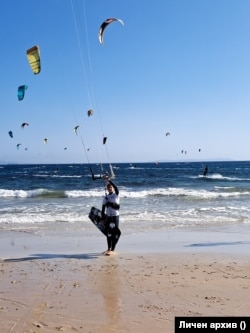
[(82, 38)]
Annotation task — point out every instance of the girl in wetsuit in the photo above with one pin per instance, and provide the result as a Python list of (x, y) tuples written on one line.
[(110, 206)]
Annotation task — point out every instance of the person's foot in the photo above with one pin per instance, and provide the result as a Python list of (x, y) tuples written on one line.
[(105, 252), (109, 253)]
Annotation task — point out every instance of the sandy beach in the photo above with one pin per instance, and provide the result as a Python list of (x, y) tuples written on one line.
[(53, 284)]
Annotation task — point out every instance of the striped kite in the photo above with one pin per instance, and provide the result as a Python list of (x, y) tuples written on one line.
[(104, 25), (33, 55)]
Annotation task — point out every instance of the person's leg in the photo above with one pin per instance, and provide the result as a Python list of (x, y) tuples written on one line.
[(113, 233), (116, 233), (108, 234), (115, 238), (109, 241)]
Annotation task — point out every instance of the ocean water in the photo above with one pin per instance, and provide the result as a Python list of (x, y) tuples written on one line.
[(49, 198)]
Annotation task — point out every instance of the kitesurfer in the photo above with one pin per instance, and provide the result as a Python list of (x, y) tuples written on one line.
[(205, 171), (110, 211)]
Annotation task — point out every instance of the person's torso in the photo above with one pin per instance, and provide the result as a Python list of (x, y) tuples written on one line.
[(112, 198)]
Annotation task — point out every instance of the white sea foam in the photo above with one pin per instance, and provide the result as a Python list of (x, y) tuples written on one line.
[(21, 193), (126, 193), (217, 176), (152, 198), (68, 214)]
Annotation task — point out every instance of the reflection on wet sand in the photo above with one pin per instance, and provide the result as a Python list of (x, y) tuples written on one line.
[(108, 286)]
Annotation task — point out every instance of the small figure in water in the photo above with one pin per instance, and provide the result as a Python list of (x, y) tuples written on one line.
[(205, 171)]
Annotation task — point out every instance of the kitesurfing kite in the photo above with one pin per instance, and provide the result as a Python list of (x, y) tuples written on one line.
[(10, 134), (18, 145), (33, 55), (167, 133), (90, 112), (75, 129), (104, 25), (24, 124), (104, 140), (45, 140), (21, 92)]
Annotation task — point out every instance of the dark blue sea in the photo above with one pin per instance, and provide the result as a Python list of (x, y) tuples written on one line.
[(154, 196)]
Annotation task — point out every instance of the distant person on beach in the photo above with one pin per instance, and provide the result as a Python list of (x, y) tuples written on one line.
[(205, 171), (110, 208)]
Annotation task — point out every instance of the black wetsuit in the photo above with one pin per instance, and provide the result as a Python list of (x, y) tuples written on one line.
[(111, 205), (205, 171)]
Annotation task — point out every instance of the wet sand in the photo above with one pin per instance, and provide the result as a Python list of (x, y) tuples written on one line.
[(68, 287)]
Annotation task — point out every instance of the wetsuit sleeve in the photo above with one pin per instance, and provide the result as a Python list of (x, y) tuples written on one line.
[(115, 187)]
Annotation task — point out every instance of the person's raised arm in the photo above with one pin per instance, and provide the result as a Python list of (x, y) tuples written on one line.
[(115, 187)]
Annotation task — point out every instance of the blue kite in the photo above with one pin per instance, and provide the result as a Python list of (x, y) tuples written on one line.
[(21, 92)]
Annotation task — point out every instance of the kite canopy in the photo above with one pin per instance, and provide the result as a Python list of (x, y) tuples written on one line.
[(75, 129), (104, 25), (10, 134), (24, 124), (45, 140), (90, 112), (21, 92), (33, 55)]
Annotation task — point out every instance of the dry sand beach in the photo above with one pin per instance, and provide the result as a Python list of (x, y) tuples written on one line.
[(63, 284)]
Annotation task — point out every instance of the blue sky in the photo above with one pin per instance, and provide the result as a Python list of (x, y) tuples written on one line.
[(178, 66)]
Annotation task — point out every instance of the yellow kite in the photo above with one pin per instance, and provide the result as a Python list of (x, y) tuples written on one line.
[(33, 55)]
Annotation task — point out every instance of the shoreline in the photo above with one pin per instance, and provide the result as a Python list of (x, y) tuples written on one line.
[(230, 240), (51, 284)]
